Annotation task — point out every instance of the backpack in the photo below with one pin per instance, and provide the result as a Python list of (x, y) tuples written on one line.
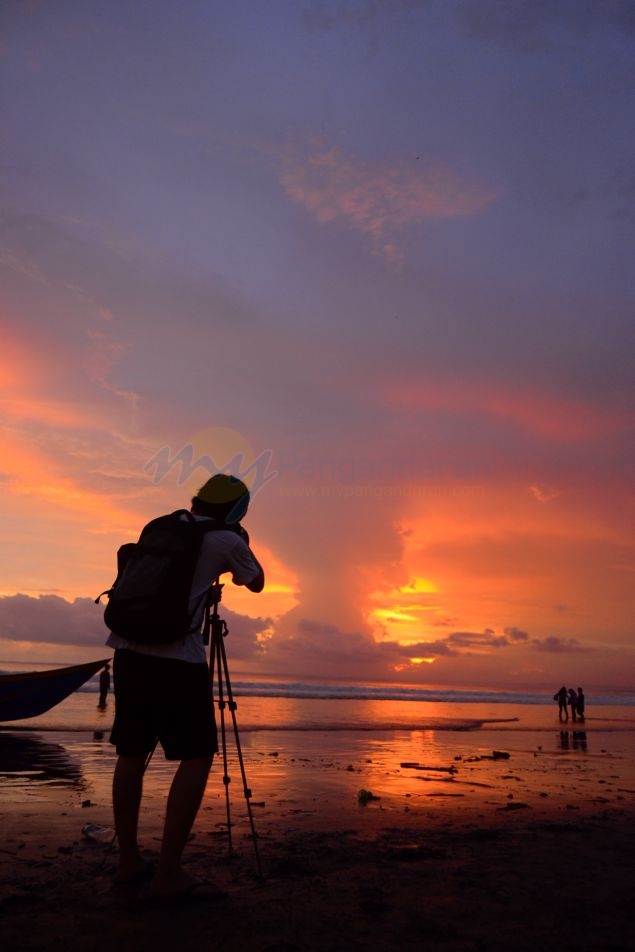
[(149, 600)]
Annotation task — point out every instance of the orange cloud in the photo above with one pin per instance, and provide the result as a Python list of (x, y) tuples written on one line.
[(543, 493), (46, 384), (26, 377), (48, 414), (29, 472), (374, 199), (20, 367), (508, 562), (546, 414)]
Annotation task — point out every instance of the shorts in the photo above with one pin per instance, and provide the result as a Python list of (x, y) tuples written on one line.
[(164, 700)]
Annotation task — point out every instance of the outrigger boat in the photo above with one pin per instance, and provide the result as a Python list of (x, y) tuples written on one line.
[(34, 692)]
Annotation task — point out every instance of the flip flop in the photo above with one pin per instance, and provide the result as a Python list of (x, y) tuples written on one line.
[(199, 890)]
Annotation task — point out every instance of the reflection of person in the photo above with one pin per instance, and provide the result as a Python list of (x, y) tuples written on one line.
[(104, 685), (579, 740), (561, 697), (580, 705), (573, 703), (163, 694)]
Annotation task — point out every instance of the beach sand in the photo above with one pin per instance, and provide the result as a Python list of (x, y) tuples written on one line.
[(503, 843)]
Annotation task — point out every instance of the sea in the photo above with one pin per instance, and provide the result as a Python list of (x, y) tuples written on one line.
[(278, 704), (317, 722)]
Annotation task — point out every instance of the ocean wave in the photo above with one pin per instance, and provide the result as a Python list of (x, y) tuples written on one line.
[(390, 692), (255, 687)]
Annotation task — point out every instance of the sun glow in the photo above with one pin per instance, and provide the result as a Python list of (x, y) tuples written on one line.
[(418, 586), (399, 613)]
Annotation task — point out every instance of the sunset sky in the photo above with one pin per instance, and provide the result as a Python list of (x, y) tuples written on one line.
[(377, 255)]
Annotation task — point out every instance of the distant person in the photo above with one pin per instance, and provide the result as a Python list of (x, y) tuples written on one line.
[(573, 704), (104, 685), (580, 705), (561, 697)]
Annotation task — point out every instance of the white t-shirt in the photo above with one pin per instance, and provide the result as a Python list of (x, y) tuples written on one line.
[(221, 551)]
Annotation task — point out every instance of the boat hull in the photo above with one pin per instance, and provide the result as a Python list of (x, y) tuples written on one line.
[(33, 693)]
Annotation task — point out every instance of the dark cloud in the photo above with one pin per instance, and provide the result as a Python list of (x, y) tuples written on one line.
[(477, 640), (243, 642), (556, 645), (324, 644), (329, 651), (425, 649), (50, 619), (324, 650), (460, 643), (516, 634)]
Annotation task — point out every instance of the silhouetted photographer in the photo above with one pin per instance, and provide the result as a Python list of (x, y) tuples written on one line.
[(162, 686)]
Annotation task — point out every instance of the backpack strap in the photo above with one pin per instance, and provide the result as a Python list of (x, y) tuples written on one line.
[(123, 555)]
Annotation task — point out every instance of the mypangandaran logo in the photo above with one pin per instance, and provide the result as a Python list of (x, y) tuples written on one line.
[(212, 451)]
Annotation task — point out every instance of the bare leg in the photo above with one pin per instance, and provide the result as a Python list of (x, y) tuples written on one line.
[(184, 800), (127, 786)]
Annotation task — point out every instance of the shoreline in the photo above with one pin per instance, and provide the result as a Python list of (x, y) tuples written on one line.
[(256, 713)]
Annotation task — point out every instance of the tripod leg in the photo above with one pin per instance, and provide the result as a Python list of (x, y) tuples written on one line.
[(246, 790), (216, 653)]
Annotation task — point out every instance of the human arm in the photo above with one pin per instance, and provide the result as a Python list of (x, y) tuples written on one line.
[(245, 568), (258, 583)]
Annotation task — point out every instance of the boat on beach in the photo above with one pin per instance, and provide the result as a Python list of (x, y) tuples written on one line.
[(32, 693)]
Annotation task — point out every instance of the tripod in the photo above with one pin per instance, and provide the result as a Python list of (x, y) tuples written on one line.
[(215, 632)]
